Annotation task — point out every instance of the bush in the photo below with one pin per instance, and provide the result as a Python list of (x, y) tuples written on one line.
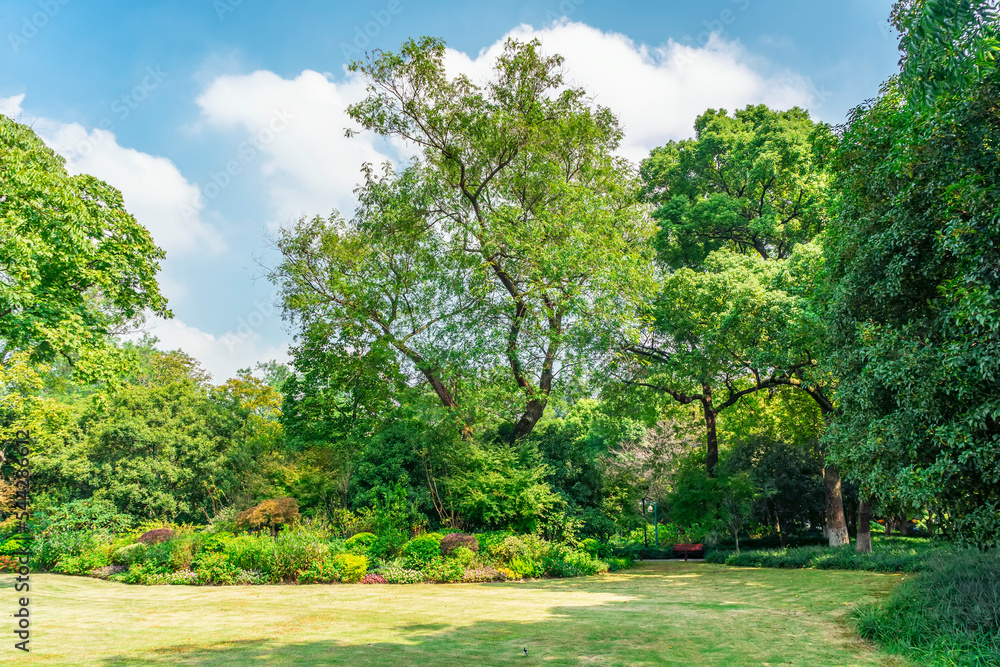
[(82, 563), (127, 555), (463, 556), (253, 553), (212, 568), (421, 550), (157, 536), (595, 548), (320, 571), (75, 528), (444, 570), (948, 614), (351, 567), (372, 578), (272, 514), (884, 558), (108, 571), (360, 543), (452, 541), (295, 550), (215, 542), (573, 563), (616, 563), (523, 566), (481, 574), (399, 575)]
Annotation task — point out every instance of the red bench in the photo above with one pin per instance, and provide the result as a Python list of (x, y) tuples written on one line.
[(692, 550)]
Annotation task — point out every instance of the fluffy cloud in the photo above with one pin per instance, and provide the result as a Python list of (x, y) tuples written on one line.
[(154, 190), (295, 127), (295, 135), (656, 91), (221, 355)]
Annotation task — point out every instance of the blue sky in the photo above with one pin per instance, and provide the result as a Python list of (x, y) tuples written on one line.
[(221, 120)]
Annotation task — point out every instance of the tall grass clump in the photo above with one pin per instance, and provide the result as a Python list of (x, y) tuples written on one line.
[(949, 614)]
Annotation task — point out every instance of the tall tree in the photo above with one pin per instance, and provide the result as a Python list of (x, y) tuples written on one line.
[(514, 241), (74, 265), (913, 254)]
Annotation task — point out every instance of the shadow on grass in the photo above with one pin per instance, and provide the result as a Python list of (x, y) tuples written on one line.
[(645, 620)]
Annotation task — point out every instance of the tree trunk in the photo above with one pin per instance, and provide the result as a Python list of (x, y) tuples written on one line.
[(864, 543), (532, 413), (904, 525), (712, 453), (836, 523)]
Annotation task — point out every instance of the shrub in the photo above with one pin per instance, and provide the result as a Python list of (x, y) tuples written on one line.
[(463, 555), (127, 555), (884, 558), (141, 573), (508, 574), (491, 541), (523, 567), (399, 575), (253, 552), (74, 528), (573, 563), (320, 571), (157, 536), (82, 563), (481, 574), (452, 541), (421, 550), (272, 513), (360, 543), (444, 570), (372, 578), (351, 567), (108, 571), (595, 548), (618, 563), (214, 568), (215, 542), (295, 550), (948, 614)]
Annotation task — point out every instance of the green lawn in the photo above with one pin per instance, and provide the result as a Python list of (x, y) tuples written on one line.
[(656, 613)]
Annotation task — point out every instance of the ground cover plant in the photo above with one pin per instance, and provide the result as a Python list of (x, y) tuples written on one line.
[(898, 554), (657, 613)]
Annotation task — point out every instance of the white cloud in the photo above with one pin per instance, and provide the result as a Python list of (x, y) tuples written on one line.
[(657, 92), (310, 167), (295, 135), (154, 190), (11, 106), (222, 355)]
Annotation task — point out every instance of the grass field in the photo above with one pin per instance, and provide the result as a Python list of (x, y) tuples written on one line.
[(657, 613)]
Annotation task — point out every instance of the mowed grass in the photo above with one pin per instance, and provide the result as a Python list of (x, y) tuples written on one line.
[(659, 613)]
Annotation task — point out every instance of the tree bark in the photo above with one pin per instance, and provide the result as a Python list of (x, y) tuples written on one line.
[(864, 541), (532, 413), (836, 523), (712, 454)]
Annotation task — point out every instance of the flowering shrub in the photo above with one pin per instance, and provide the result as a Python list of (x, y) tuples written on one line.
[(320, 571), (108, 571), (452, 541), (444, 571), (214, 569), (373, 578), (351, 567), (8, 564), (179, 578), (157, 535), (141, 573), (482, 573), (400, 575), (508, 574)]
